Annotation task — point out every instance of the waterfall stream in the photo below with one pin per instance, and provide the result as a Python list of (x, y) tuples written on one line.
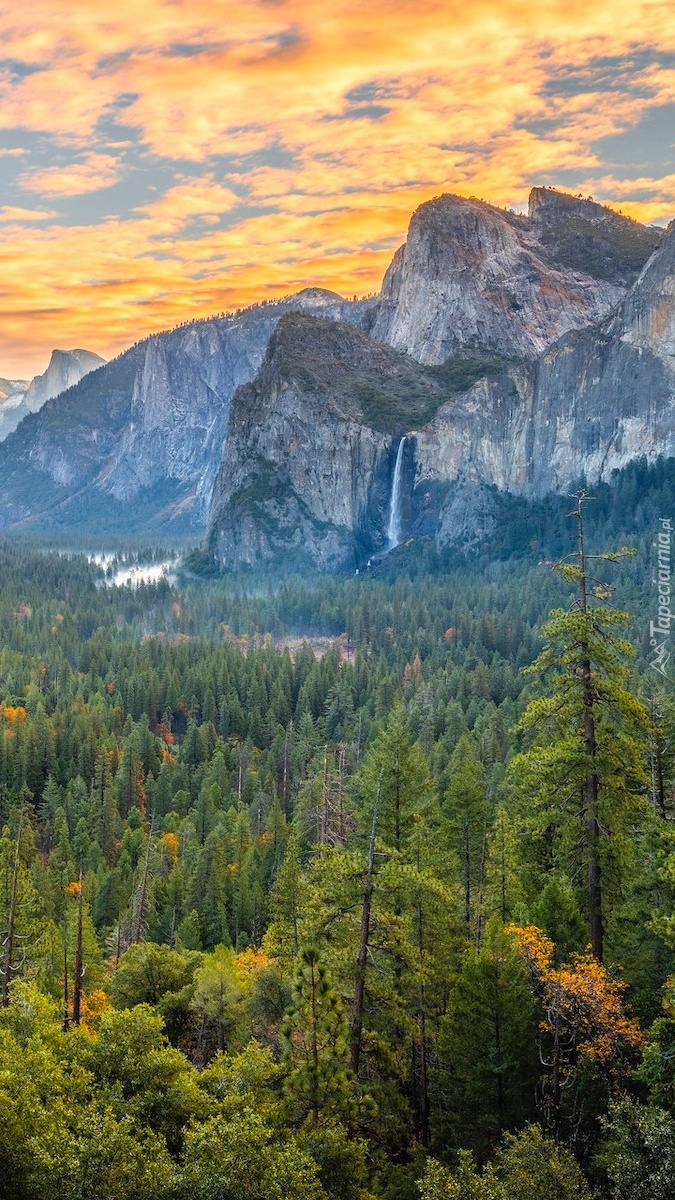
[(394, 530)]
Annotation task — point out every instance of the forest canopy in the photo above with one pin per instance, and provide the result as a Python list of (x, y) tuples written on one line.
[(328, 888)]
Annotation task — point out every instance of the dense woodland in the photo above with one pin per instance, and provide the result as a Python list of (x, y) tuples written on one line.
[(320, 889)]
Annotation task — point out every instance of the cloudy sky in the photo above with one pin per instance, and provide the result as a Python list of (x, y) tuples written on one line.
[(170, 159)]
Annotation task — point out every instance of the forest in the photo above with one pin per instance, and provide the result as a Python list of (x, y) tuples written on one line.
[(345, 887)]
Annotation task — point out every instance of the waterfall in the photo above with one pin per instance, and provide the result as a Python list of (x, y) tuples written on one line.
[(394, 531)]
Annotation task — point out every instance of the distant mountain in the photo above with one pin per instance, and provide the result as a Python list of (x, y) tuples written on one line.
[(19, 397), (12, 404), (502, 346)]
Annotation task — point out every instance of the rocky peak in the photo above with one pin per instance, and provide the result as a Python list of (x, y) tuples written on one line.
[(470, 273), (66, 368), (547, 204), (12, 387), (315, 298), (20, 397)]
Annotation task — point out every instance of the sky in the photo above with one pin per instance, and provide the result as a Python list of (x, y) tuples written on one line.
[(172, 159)]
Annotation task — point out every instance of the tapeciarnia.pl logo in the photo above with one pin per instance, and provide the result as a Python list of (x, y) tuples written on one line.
[(659, 630)]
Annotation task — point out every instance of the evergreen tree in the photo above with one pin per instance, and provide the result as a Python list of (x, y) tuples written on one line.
[(316, 1047), (585, 766)]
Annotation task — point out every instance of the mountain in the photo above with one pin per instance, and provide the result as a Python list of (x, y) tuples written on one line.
[(20, 397), (595, 400), (66, 368), (136, 445), (12, 407), (484, 320), (470, 273)]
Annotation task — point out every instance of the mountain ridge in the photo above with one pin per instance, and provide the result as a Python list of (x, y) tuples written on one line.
[(477, 316)]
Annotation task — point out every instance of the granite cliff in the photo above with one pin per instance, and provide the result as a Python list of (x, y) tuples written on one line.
[(471, 273), (592, 403), (309, 454)]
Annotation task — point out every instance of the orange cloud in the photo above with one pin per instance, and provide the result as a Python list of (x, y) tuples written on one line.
[(19, 215), (293, 139), (92, 173)]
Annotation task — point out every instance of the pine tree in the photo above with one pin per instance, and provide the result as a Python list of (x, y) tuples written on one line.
[(585, 767), (316, 1049)]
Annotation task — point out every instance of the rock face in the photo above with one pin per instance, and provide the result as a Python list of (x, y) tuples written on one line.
[(579, 235), (471, 273), (12, 407), (309, 453), (594, 402), (66, 368), (20, 397), (151, 425)]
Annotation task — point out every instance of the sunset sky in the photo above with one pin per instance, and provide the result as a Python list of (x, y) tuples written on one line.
[(170, 159)]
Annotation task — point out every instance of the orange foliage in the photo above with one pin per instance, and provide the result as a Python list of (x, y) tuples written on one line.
[(13, 714), (171, 844), (93, 1005), (247, 962), (583, 1004), (72, 889)]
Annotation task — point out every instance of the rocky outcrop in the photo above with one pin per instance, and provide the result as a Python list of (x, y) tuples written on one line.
[(311, 444), (593, 403), (575, 233), (473, 274)]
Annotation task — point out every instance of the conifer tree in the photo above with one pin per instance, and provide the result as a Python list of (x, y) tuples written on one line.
[(585, 766), (316, 1046)]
